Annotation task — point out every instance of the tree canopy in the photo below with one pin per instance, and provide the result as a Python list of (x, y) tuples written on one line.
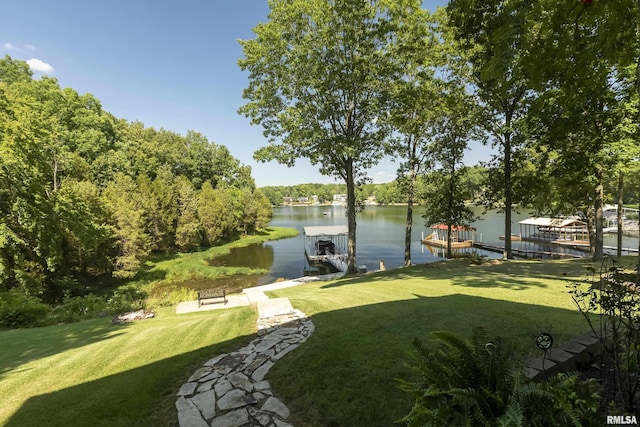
[(86, 195), (319, 79)]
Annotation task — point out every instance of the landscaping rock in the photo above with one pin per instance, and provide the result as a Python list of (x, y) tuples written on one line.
[(277, 407), (236, 418), (230, 390)]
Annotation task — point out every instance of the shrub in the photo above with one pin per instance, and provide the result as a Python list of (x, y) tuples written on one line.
[(480, 382), (74, 309), (18, 310), (126, 299), (613, 299)]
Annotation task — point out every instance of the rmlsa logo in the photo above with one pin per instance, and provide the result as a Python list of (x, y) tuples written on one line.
[(622, 420)]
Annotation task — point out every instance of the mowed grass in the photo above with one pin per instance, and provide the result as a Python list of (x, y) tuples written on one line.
[(96, 373), (344, 374)]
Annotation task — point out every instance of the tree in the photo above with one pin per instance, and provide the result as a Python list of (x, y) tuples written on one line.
[(414, 99), (133, 246), (188, 231), (581, 113), (319, 78), (495, 33)]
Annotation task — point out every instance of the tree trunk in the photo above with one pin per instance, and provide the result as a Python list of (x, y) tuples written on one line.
[(409, 224), (507, 254), (620, 207), (351, 218), (598, 250)]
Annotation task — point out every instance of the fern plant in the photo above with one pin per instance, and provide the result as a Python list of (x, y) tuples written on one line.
[(478, 383)]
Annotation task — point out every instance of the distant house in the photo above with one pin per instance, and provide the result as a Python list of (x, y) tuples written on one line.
[(303, 199), (339, 199)]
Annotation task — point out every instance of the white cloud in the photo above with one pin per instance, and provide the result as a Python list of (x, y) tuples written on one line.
[(40, 66), (29, 47), (10, 46)]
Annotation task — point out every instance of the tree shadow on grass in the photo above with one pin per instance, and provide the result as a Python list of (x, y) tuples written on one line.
[(144, 396), (49, 340), (516, 275), (345, 374)]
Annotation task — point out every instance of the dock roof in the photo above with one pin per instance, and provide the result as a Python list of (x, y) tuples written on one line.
[(326, 230), (553, 222)]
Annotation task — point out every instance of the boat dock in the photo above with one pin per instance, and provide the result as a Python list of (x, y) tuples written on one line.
[(526, 253), (327, 244)]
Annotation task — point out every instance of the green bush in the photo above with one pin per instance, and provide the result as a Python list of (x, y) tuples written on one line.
[(480, 382), (126, 299), (74, 309), (18, 310)]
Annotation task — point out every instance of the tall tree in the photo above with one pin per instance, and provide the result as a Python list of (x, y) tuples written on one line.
[(582, 115), (414, 97), (319, 77), (495, 31)]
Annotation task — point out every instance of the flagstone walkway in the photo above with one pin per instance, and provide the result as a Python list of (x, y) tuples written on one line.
[(229, 390)]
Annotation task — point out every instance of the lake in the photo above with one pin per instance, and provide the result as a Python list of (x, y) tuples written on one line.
[(380, 235)]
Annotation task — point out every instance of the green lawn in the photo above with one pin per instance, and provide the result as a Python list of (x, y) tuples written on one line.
[(344, 374), (95, 373)]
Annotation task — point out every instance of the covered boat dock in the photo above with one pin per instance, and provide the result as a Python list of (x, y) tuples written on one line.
[(327, 244), (555, 230)]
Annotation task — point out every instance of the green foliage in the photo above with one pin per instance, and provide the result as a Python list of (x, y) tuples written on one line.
[(125, 299), (85, 195), (479, 382), (615, 298), (171, 297), (78, 308), (18, 310)]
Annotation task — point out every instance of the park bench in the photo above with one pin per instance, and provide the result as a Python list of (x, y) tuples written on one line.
[(208, 294)]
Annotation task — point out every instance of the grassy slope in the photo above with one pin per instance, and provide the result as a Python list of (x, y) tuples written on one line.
[(180, 268), (344, 375), (95, 373)]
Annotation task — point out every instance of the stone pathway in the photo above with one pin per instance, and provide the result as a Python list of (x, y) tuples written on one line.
[(230, 389)]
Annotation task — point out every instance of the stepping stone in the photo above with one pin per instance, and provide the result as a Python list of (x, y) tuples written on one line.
[(187, 389), (274, 307), (259, 374), (235, 399), (232, 419), (188, 414), (240, 380), (275, 406), (206, 403)]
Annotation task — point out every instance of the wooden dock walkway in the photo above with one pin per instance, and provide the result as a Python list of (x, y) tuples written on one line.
[(526, 253)]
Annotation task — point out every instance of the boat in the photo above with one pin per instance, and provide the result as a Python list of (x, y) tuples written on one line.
[(326, 213), (461, 236)]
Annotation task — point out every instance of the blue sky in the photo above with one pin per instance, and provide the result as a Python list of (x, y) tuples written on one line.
[(168, 64)]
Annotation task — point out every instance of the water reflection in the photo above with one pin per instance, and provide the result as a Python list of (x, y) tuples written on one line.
[(258, 255)]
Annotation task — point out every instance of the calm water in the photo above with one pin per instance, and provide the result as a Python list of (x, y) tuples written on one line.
[(380, 235)]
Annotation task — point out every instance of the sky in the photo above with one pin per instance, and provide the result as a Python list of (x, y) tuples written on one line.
[(167, 64)]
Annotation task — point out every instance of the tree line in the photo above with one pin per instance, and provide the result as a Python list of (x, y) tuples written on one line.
[(383, 193), (552, 85), (86, 196)]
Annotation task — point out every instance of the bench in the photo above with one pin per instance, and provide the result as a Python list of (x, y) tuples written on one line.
[(208, 294)]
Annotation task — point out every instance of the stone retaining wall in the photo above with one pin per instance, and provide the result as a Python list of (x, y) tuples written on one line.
[(577, 352)]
